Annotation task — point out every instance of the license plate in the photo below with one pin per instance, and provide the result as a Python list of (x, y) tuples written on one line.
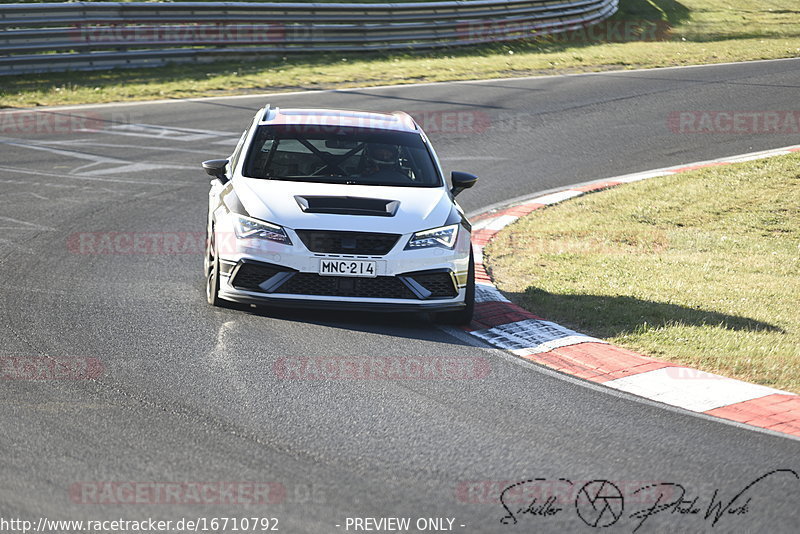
[(347, 268)]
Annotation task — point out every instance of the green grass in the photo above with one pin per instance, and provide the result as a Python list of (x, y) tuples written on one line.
[(702, 31), (701, 268)]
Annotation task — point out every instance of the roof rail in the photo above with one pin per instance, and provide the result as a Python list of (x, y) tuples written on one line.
[(269, 110)]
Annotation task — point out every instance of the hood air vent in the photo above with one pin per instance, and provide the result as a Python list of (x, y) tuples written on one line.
[(375, 207)]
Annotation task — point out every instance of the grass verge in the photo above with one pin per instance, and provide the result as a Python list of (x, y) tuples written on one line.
[(701, 268), (700, 31)]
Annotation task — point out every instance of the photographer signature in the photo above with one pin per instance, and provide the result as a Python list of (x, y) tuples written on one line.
[(600, 503)]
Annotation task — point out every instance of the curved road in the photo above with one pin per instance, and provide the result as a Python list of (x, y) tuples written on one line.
[(191, 394)]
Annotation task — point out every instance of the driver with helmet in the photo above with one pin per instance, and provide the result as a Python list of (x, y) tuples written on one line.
[(383, 163)]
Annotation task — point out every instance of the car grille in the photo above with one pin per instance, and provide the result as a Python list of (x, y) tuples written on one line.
[(439, 284), (387, 287), (364, 243), (249, 275)]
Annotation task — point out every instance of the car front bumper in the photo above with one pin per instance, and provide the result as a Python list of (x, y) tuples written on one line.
[(257, 271)]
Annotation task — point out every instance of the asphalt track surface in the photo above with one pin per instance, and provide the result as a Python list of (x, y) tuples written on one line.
[(190, 393)]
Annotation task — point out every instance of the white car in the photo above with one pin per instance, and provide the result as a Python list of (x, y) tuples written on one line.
[(338, 209)]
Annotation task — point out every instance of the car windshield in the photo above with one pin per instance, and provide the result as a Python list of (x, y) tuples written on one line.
[(340, 155)]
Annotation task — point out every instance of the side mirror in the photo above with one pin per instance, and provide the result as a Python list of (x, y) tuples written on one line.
[(216, 168), (461, 181)]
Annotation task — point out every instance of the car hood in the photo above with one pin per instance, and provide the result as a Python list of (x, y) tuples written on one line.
[(417, 208)]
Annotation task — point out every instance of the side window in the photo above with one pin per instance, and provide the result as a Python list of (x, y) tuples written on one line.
[(236, 153)]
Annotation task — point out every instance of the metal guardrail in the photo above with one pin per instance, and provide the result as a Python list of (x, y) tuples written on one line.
[(45, 37)]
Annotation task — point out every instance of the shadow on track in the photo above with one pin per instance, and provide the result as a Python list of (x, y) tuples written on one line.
[(410, 325), (609, 316)]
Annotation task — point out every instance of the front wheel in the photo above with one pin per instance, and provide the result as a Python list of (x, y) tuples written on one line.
[(463, 316), (212, 272)]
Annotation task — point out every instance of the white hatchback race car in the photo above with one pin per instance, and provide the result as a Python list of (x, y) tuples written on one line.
[(338, 209)]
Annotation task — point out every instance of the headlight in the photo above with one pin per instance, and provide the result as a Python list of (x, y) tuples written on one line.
[(245, 228), (444, 236)]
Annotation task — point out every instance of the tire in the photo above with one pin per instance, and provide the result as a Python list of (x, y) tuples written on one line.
[(464, 316), (211, 265)]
